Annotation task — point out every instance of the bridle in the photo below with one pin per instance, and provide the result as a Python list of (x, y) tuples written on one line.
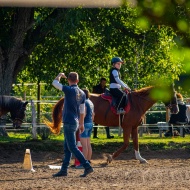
[(17, 118), (11, 119)]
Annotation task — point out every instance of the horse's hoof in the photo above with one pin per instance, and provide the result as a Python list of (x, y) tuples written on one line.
[(109, 159), (143, 161)]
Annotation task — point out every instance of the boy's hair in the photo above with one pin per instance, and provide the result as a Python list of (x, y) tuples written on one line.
[(87, 93), (73, 76), (179, 96)]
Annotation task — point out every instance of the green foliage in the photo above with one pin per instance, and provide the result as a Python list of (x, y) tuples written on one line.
[(85, 40), (157, 113)]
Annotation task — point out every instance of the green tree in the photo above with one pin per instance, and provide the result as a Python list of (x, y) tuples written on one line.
[(88, 43), (171, 13), (46, 41)]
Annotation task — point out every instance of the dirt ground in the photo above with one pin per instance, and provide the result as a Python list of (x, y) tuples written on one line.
[(165, 170)]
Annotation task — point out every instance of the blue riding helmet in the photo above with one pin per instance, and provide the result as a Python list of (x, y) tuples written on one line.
[(116, 59)]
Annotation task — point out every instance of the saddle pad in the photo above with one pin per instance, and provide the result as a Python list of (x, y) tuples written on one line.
[(109, 99)]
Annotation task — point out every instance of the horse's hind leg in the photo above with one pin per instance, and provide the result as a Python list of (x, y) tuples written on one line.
[(134, 134), (126, 136)]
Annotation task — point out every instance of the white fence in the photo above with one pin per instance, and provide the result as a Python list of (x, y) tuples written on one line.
[(33, 122)]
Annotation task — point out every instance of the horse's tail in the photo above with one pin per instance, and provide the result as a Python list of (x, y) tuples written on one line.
[(55, 125)]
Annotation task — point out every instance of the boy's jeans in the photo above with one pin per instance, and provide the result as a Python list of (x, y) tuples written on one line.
[(70, 147)]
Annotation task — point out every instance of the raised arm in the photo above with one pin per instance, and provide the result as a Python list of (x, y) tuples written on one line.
[(56, 82)]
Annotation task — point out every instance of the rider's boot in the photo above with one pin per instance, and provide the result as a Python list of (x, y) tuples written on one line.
[(121, 111)]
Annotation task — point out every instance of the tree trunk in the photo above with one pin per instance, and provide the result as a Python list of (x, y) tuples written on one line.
[(13, 53), (22, 37), (3, 131)]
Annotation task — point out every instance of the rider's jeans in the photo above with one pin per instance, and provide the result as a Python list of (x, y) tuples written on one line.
[(70, 147)]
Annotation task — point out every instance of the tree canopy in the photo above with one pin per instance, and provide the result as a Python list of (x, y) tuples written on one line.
[(41, 42), (88, 43)]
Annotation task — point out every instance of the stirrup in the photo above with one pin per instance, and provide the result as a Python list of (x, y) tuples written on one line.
[(121, 111)]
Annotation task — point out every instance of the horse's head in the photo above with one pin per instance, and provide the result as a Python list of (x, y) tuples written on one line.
[(18, 115), (172, 103)]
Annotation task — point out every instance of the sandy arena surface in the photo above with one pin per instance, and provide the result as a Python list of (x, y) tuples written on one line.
[(165, 170)]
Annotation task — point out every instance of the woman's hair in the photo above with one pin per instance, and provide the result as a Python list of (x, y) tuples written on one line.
[(179, 96), (87, 93)]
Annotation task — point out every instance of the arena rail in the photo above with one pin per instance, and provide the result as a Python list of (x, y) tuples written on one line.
[(160, 126)]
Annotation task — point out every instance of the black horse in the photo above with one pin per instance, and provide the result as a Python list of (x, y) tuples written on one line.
[(15, 106)]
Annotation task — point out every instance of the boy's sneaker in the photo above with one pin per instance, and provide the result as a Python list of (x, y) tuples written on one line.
[(60, 174), (87, 171)]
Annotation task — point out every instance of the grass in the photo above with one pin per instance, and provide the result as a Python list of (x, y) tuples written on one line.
[(148, 141)]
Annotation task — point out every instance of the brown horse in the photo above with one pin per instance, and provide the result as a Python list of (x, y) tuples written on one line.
[(140, 101)]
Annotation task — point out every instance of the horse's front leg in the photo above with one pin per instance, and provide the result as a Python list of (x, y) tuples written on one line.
[(126, 135), (134, 134)]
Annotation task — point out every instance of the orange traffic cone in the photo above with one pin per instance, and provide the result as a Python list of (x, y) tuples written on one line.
[(79, 145), (27, 165)]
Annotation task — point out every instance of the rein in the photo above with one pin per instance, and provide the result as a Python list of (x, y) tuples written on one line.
[(147, 99), (139, 99), (170, 105)]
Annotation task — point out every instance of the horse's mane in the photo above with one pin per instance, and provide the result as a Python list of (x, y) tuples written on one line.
[(143, 91), (55, 125), (10, 102)]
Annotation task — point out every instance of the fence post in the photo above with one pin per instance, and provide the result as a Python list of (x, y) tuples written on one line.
[(119, 131), (141, 129), (34, 134), (162, 126)]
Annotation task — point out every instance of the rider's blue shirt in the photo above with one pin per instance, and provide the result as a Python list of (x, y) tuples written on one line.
[(74, 96)]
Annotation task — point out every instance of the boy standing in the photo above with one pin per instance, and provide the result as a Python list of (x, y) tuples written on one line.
[(73, 117)]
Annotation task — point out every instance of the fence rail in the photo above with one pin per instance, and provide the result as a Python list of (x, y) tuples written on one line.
[(160, 127), (31, 119)]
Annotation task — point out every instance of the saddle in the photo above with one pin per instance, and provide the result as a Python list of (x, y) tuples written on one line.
[(112, 100)]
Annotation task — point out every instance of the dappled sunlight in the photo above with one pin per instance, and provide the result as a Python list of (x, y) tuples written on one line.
[(160, 94)]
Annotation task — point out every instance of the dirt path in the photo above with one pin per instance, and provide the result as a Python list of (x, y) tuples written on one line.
[(165, 170)]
